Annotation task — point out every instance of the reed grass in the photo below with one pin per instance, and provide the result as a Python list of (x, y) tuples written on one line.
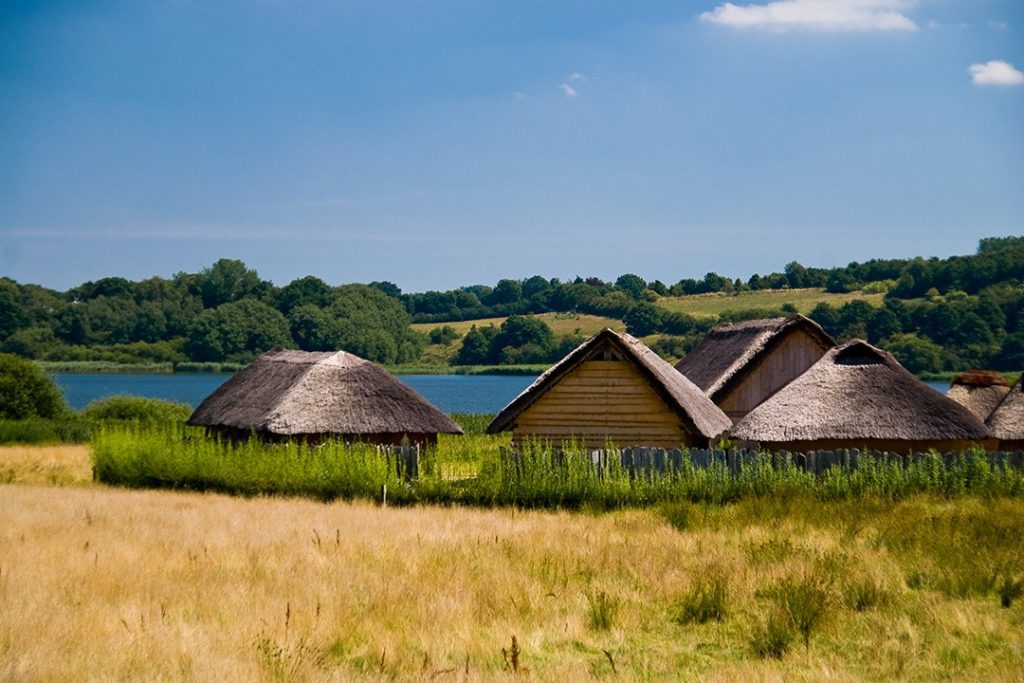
[(477, 469)]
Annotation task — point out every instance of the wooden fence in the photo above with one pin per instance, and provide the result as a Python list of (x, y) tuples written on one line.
[(651, 460), (406, 459)]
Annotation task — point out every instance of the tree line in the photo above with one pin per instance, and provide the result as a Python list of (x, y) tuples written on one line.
[(938, 314)]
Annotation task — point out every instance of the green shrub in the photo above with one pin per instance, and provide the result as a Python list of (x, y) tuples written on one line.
[(26, 391), (804, 600), (772, 636), (37, 430), (706, 600), (601, 611), (136, 409)]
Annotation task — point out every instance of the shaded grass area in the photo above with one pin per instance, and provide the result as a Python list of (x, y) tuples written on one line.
[(171, 586), (474, 470), (76, 427)]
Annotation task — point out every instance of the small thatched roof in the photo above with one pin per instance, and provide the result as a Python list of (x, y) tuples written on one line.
[(859, 392), (731, 350), (293, 393), (697, 412), (1007, 420), (980, 391)]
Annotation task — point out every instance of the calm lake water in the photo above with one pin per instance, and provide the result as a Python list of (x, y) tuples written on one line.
[(450, 393)]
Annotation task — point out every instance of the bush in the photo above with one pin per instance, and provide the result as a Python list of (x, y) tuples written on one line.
[(26, 391), (36, 430), (136, 409), (706, 600), (772, 636)]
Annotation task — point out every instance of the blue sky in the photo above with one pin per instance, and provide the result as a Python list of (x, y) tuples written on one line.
[(438, 144)]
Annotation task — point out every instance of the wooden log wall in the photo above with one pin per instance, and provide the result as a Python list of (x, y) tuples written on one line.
[(787, 361), (602, 401)]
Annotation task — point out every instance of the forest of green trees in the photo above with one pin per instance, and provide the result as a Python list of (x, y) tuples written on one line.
[(937, 314)]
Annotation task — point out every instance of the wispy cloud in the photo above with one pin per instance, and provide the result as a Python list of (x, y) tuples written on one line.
[(816, 15), (995, 72), (568, 89)]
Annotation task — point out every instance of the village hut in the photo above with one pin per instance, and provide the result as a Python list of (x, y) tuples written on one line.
[(980, 391), (739, 365), (858, 396), (614, 389), (1007, 420), (299, 394)]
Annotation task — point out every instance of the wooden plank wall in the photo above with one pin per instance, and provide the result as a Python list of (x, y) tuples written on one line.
[(598, 401), (787, 361)]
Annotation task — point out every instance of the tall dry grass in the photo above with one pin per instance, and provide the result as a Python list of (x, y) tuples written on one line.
[(104, 584)]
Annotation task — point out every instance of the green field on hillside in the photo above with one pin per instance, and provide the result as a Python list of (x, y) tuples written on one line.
[(713, 305), (560, 324)]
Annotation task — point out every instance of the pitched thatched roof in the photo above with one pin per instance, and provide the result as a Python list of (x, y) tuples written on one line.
[(731, 350), (1007, 420), (695, 409), (859, 392), (980, 391), (299, 392)]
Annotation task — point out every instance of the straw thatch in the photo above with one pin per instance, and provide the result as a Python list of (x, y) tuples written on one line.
[(860, 396), (1007, 420), (698, 416), (730, 351), (980, 391), (305, 394)]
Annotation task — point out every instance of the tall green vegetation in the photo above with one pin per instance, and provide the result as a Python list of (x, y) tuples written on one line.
[(476, 470), (26, 391)]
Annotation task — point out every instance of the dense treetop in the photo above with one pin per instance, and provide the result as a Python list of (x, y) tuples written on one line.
[(937, 314)]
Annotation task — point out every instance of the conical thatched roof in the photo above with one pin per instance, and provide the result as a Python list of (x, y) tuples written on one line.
[(731, 350), (980, 391), (701, 416), (292, 393), (1007, 420), (857, 392)]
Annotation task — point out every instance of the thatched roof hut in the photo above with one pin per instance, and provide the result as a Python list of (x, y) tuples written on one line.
[(301, 394), (1007, 420), (980, 391), (613, 388), (858, 396), (739, 365)]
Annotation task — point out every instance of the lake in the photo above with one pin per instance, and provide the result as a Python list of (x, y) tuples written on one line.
[(450, 393)]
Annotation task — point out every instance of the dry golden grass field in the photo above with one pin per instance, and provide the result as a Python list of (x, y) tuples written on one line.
[(108, 584), (713, 305)]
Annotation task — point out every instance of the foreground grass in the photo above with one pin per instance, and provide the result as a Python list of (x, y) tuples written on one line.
[(54, 465), (108, 584)]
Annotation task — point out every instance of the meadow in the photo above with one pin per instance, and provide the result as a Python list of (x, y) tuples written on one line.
[(100, 583), (714, 304)]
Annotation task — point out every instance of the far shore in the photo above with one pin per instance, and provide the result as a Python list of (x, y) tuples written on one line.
[(97, 367)]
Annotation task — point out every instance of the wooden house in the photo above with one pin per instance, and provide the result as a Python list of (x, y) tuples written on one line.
[(739, 365), (980, 391), (858, 396), (299, 394), (614, 389), (1007, 420)]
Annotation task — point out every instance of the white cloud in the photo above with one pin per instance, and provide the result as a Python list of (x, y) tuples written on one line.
[(569, 90), (817, 15), (995, 72), (577, 76)]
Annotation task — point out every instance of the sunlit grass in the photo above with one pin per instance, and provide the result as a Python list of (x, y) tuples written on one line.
[(111, 584), (713, 305)]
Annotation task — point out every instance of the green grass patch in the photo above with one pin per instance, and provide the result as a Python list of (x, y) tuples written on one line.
[(713, 305)]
